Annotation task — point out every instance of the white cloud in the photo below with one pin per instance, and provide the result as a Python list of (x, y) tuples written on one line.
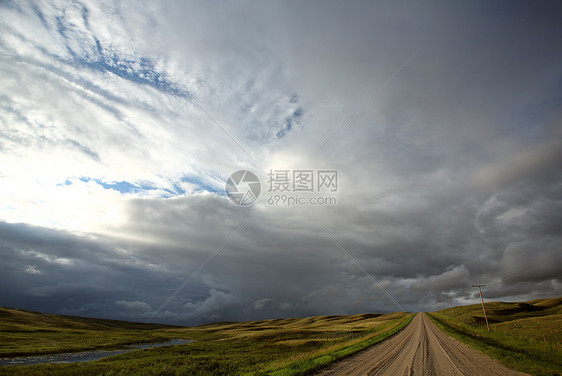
[(98, 95), (454, 277), (264, 302), (31, 269), (213, 306), (48, 258), (135, 307)]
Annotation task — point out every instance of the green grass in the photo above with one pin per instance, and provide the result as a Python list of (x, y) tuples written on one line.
[(295, 346), (524, 336), (30, 333), (322, 359)]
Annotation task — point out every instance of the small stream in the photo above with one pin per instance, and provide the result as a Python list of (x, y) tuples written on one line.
[(85, 356)]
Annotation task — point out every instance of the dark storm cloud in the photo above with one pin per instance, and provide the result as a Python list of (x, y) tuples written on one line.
[(260, 265), (61, 272), (449, 173)]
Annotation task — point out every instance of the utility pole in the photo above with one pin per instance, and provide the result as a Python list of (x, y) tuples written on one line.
[(451, 301), (483, 308)]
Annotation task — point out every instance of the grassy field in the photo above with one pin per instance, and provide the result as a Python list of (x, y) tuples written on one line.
[(295, 346), (524, 336), (31, 333)]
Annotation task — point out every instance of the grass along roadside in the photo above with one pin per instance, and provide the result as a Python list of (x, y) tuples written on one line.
[(524, 336), (271, 347), (326, 357)]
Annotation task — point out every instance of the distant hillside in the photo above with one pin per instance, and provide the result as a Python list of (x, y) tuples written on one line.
[(20, 319), (28, 333), (292, 326), (277, 346), (504, 312), (524, 335)]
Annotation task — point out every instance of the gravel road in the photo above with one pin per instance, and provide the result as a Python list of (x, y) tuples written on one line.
[(419, 349)]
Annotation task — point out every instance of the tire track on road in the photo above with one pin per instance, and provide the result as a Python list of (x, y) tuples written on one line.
[(419, 349)]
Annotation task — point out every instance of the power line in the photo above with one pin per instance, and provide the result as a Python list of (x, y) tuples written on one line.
[(483, 308)]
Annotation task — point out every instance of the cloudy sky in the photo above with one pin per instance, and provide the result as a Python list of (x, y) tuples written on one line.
[(121, 121)]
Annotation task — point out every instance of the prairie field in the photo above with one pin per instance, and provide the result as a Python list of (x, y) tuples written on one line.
[(295, 346), (525, 336)]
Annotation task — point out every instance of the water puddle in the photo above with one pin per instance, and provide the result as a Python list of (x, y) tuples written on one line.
[(85, 356)]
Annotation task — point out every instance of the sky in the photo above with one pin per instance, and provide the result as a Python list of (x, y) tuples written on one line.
[(440, 123)]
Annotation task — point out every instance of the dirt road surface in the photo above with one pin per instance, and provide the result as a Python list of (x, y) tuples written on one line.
[(419, 349)]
